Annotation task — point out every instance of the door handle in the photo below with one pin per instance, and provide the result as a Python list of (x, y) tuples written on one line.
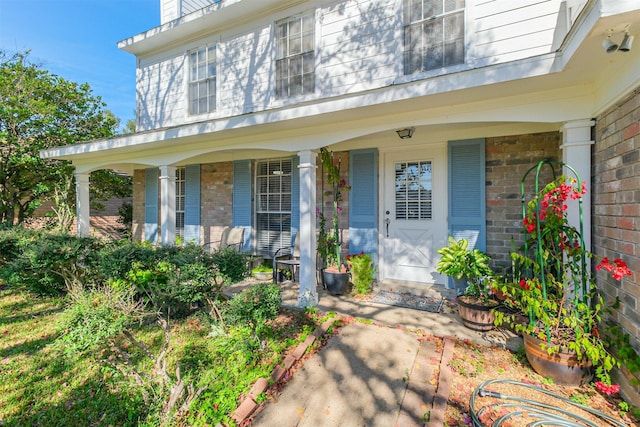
[(387, 222)]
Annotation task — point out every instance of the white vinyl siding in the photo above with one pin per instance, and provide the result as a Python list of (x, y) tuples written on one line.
[(202, 80), (273, 205), (160, 89), (357, 47), (295, 66), (189, 6), (246, 64), (433, 34)]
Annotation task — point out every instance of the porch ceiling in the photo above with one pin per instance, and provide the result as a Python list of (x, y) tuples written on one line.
[(577, 82)]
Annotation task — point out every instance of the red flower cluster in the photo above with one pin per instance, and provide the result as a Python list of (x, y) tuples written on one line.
[(553, 203), (607, 389), (524, 285), (619, 267), (350, 256)]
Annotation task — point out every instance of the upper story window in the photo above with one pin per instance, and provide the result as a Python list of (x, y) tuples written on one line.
[(295, 66), (202, 80), (433, 34)]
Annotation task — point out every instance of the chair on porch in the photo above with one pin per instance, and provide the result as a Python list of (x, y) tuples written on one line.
[(289, 257), (231, 237)]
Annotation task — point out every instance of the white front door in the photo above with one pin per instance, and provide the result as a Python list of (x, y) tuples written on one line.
[(413, 218)]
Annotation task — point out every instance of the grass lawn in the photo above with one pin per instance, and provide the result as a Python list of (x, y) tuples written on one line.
[(40, 385)]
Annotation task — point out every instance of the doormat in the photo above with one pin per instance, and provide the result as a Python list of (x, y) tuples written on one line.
[(407, 300)]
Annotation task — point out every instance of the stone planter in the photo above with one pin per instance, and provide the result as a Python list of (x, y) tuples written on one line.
[(563, 368), (263, 275)]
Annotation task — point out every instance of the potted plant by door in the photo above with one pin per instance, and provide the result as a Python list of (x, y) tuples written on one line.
[(472, 271), (335, 276), (557, 292), (362, 270)]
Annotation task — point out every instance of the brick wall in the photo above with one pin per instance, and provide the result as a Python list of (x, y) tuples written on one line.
[(324, 197), (616, 219), (507, 160), (216, 199)]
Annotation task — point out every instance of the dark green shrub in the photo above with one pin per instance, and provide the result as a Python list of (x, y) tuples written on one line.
[(231, 265), (9, 240), (117, 257), (254, 306), (48, 263)]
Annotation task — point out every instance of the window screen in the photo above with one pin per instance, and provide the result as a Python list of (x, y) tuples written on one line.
[(202, 80), (295, 66), (433, 34), (273, 205), (414, 189), (180, 192)]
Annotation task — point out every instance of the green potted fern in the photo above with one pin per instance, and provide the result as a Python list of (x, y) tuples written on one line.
[(474, 278)]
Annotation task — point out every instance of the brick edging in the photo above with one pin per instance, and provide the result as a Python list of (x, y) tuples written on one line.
[(439, 406), (248, 406)]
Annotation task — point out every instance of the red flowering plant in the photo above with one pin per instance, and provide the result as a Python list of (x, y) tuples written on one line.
[(552, 282), (329, 241)]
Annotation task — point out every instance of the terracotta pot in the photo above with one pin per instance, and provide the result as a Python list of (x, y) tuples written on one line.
[(336, 283), (563, 368), (475, 316)]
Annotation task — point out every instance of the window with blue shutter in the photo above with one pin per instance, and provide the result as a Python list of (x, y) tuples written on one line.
[(242, 199), (363, 201), (192, 204), (151, 205), (295, 197), (467, 203)]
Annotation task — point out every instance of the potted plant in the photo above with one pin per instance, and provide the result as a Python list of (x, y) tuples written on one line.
[(334, 273), (556, 291), (263, 271), (471, 271), (362, 271)]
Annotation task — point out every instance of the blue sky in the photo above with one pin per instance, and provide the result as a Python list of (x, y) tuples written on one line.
[(77, 40)]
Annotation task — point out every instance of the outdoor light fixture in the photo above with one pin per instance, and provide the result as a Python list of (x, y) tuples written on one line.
[(405, 133), (611, 46), (627, 41)]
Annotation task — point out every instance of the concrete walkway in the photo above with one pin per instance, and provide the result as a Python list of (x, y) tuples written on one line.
[(378, 373)]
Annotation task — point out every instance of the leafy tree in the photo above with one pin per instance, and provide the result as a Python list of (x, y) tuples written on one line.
[(40, 110)]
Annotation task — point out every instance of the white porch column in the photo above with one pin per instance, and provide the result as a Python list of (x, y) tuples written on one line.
[(82, 204), (576, 152), (167, 205), (308, 296)]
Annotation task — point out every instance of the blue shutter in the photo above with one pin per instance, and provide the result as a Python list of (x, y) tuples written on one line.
[(192, 204), (363, 202), (151, 205), (467, 205), (295, 197), (242, 199)]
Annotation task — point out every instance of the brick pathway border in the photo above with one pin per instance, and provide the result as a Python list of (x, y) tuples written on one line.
[(248, 406)]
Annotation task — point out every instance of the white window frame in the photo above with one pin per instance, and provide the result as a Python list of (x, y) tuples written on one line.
[(273, 185), (422, 54), (202, 80), (295, 57)]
